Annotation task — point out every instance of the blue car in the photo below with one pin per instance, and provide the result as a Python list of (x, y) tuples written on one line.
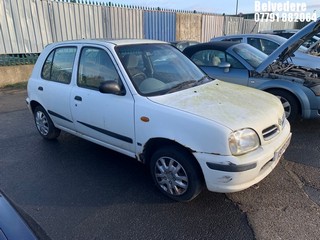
[(297, 87), (267, 43)]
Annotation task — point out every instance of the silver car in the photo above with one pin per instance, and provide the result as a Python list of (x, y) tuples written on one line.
[(267, 43), (310, 46), (297, 87)]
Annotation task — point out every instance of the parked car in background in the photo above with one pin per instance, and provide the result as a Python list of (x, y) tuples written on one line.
[(310, 46), (145, 99), (181, 45), (297, 87), (267, 43)]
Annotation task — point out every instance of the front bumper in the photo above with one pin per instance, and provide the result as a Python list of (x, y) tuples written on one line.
[(28, 104), (235, 173), (314, 111)]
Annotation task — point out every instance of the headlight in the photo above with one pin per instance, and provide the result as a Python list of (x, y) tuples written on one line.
[(316, 90), (243, 141)]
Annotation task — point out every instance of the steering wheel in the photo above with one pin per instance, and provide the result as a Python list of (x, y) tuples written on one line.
[(137, 78), (139, 75)]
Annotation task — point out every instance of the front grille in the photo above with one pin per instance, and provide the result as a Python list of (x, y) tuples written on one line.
[(270, 132)]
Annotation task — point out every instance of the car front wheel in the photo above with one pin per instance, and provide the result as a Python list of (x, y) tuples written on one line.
[(44, 124), (289, 103), (176, 173)]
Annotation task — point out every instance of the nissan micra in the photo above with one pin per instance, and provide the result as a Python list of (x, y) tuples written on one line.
[(145, 99)]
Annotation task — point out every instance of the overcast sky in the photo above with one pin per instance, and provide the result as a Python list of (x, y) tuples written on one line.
[(213, 6)]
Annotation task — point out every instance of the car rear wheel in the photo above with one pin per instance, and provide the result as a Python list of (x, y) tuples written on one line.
[(176, 173), (289, 103), (44, 124)]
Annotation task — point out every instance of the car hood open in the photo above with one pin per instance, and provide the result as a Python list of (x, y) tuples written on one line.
[(231, 105), (286, 49)]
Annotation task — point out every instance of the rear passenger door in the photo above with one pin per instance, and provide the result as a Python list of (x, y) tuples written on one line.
[(54, 85), (104, 118)]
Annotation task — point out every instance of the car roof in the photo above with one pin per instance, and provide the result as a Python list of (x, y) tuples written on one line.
[(222, 46), (184, 41), (280, 31), (260, 35), (117, 42)]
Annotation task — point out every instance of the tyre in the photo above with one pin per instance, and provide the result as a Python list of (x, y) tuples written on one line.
[(44, 124), (176, 173), (289, 103)]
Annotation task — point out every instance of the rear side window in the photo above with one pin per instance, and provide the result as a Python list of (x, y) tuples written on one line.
[(59, 64), (238, 40)]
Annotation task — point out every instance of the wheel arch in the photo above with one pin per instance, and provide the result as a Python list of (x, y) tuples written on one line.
[(34, 104), (293, 94), (155, 143)]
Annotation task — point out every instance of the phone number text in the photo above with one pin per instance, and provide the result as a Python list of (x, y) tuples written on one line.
[(285, 17)]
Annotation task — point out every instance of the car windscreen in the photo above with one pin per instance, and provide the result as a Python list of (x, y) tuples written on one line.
[(156, 69), (251, 55)]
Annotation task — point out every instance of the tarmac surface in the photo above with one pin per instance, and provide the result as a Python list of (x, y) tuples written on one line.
[(286, 204)]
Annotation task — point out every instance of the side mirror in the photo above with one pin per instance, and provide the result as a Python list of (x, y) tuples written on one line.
[(111, 87), (225, 65)]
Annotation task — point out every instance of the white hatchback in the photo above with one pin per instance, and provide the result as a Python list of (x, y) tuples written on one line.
[(145, 99)]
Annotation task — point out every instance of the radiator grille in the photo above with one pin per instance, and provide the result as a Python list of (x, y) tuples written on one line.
[(270, 132)]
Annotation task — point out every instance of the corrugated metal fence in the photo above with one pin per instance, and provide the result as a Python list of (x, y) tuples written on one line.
[(26, 26)]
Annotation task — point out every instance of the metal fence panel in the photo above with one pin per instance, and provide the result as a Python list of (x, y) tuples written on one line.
[(44, 22), (6, 21), (212, 26), (126, 23), (26, 26), (159, 25)]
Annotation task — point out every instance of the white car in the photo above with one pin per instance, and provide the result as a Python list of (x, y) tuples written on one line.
[(145, 99)]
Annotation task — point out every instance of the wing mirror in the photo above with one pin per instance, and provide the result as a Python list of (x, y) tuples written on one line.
[(111, 87), (225, 65)]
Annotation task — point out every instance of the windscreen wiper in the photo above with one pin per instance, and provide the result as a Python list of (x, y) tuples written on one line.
[(182, 85)]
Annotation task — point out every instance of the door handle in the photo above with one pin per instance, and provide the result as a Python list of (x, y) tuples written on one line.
[(78, 98), (40, 88)]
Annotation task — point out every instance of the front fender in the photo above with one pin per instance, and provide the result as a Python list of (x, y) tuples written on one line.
[(301, 92)]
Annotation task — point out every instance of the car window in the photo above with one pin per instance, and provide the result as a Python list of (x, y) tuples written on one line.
[(95, 67), (238, 40), (263, 45), (156, 69), (212, 58), (250, 54), (284, 34), (234, 62), (59, 64), (209, 58)]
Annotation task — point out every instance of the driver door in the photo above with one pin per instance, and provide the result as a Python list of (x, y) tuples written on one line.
[(211, 61), (106, 118)]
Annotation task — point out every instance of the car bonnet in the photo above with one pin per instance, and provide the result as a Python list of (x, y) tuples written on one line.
[(231, 105), (291, 45)]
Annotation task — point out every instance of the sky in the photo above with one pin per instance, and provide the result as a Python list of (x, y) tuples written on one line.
[(213, 6)]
